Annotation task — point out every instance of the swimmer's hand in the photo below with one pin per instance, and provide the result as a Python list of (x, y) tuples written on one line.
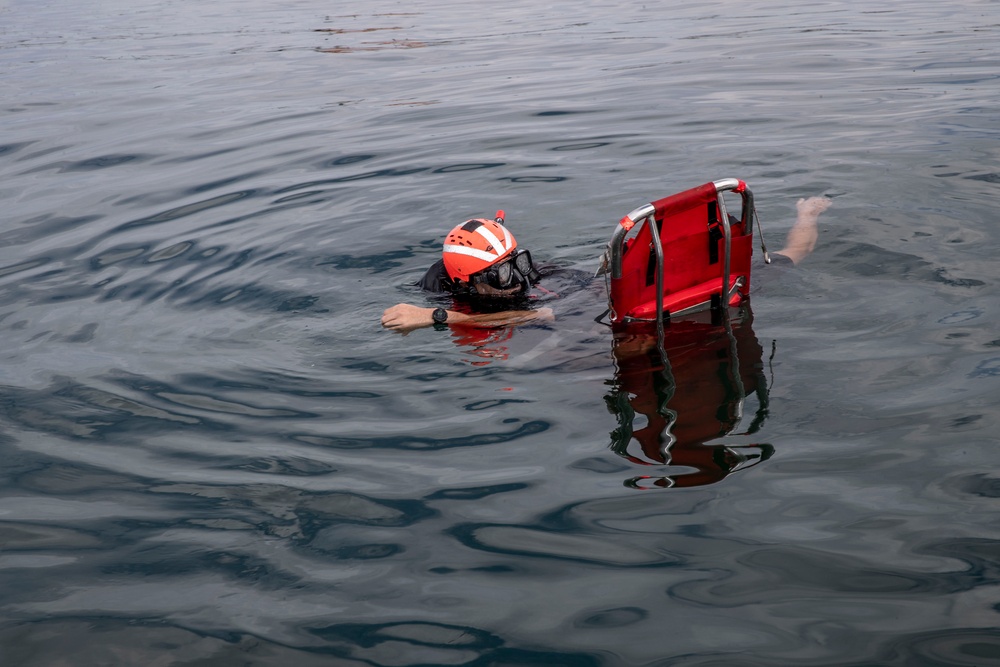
[(812, 206), (404, 317)]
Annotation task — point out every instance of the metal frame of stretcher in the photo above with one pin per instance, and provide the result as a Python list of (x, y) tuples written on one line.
[(681, 255)]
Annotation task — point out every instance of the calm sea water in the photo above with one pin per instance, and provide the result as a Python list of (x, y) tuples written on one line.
[(212, 454)]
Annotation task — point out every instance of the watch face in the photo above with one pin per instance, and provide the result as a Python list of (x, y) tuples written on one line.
[(440, 315)]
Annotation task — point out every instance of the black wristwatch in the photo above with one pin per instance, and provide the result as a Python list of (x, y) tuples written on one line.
[(440, 315)]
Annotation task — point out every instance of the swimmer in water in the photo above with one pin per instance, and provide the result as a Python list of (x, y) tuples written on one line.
[(482, 265)]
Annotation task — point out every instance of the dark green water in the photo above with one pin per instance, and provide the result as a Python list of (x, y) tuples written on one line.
[(212, 454)]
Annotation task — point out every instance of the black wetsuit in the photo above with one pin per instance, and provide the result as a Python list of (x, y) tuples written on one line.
[(436, 279)]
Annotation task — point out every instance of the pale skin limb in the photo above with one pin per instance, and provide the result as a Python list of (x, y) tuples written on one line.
[(802, 236), (404, 317)]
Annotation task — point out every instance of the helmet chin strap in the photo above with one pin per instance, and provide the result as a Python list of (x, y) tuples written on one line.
[(522, 281)]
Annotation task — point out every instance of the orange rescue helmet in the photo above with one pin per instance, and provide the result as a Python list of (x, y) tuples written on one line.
[(476, 245)]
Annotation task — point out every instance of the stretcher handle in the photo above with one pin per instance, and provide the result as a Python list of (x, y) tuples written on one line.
[(669, 206)]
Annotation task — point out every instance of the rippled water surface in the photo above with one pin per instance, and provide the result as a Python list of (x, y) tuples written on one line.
[(212, 454)]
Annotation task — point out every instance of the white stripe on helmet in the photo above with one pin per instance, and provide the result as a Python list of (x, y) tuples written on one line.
[(507, 240), (491, 238), (471, 252)]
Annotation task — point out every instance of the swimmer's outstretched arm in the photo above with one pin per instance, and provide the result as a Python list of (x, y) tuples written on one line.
[(802, 236), (404, 317)]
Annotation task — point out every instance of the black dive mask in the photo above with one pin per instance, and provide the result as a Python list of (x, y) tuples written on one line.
[(516, 270)]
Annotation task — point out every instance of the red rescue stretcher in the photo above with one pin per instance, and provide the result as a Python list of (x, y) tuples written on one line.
[(681, 255), (671, 261)]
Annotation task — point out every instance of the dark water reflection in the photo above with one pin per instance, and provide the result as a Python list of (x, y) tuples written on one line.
[(691, 390), (213, 455)]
